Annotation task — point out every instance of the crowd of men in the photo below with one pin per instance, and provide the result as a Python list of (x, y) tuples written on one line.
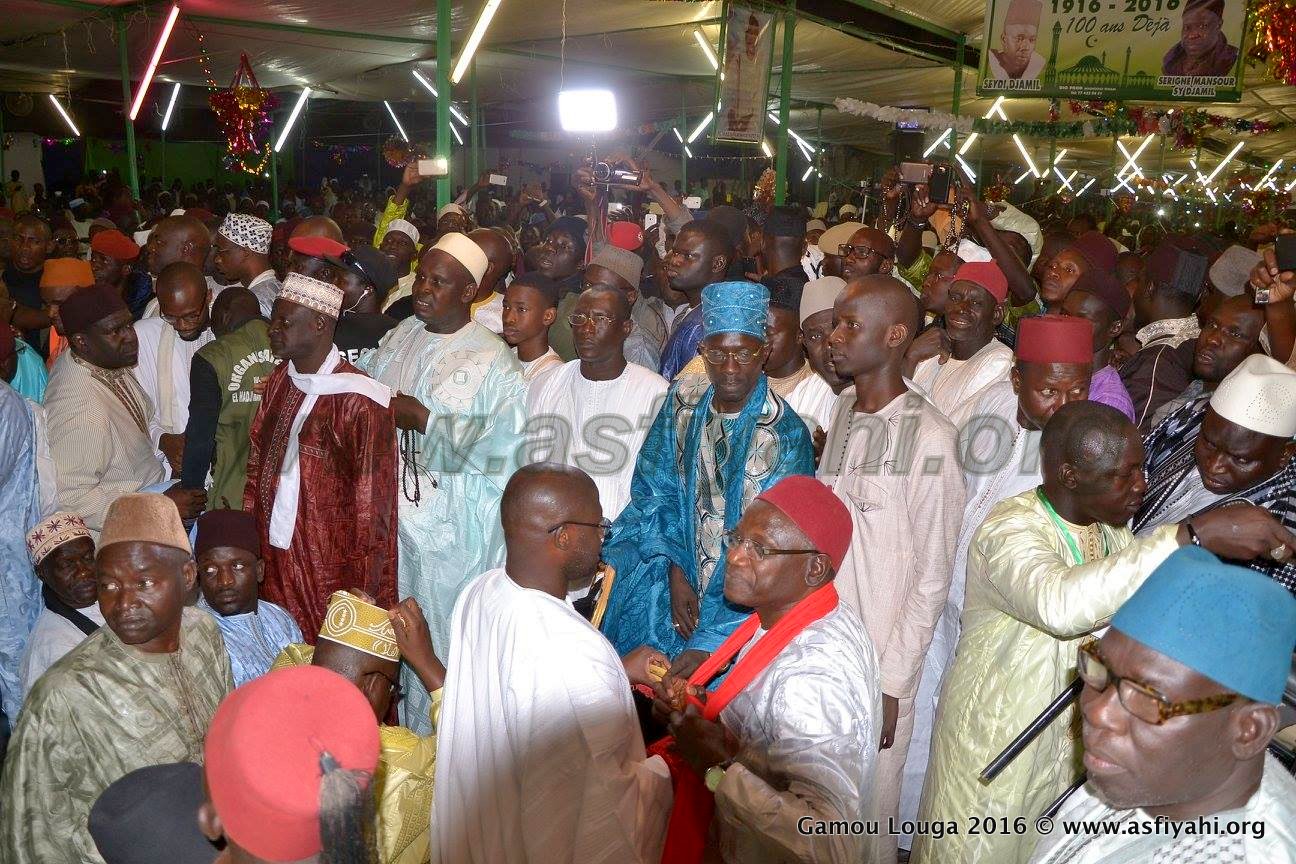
[(394, 535)]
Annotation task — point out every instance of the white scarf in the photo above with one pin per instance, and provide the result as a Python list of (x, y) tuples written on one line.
[(325, 382), (166, 384)]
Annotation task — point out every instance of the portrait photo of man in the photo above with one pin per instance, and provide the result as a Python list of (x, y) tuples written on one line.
[(1016, 56), (1202, 49)]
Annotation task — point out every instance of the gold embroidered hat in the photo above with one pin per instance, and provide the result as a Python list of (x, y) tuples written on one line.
[(363, 626)]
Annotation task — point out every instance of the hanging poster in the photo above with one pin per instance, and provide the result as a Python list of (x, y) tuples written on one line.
[(1182, 50), (745, 75)]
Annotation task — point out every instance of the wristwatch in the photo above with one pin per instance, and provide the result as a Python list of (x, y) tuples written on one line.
[(714, 775)]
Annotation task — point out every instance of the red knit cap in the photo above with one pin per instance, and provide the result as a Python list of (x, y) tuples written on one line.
[(1054, 339), (816, 510), (625, 235), (986, 274), (317, 247), (114, 244), (263, 756)]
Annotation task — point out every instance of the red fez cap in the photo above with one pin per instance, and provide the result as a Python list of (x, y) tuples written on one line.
[(1097, 249), (986, 274), (1055, 339), (114, 244), (235, 528), (1103, 284), (625, 235), (317, 247), (8, 345), (88, 306), (66, 273), (263, 756), (816, 510)]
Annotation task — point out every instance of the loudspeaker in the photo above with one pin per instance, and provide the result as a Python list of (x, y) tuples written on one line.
[(907, 145)]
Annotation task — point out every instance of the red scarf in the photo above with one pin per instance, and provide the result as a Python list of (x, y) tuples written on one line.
[(694, 805)]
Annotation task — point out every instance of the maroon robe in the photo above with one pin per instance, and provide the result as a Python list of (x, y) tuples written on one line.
[(345, 534)]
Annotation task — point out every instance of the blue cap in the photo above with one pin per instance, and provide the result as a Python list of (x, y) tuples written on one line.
[(735, 307), (1233, 625)]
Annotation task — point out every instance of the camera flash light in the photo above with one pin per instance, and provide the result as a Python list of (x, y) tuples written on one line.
[(587, 110)]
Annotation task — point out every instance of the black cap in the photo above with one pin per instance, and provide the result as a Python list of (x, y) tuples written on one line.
[(372, 266), (786, 222), (150, 816)]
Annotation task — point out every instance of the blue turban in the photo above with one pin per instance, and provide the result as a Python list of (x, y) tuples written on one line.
[(735, 307), (1231, 624)]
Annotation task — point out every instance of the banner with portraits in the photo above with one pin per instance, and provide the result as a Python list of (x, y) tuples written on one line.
[(748, 52), (1180, 50)]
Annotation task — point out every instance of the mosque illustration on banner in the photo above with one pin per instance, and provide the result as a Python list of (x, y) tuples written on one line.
[(1091, 76)]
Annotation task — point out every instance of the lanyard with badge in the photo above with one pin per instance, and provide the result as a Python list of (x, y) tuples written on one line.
[(1064, 531)]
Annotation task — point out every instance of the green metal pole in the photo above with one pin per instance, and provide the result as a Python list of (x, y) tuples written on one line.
[(820, 147), (132, 168), (785, 98), (274, 186), (474, 140), (443, 186), (1052, 155), (958, 90), (163, 159)]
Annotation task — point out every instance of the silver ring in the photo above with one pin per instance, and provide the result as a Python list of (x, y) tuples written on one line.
[(1279, 552)]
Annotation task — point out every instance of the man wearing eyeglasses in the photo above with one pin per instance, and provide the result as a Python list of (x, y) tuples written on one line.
[(595, 411), (1179, 703), (869, 251), (717, 442), (1047, 568), (167, 345), (540, 753)]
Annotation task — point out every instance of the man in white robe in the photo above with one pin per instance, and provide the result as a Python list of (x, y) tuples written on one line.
[(593, 413), (462, 405), (795, 745), (167, 345), (814, 397), (540, 757), (999, 449), (951, 366), (892, 458)]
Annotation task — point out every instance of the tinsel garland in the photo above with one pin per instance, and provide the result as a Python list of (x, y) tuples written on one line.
[(1184, 128), (1275, 37)]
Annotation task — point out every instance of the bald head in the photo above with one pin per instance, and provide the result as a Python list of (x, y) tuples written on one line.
[(232, 308), (876, 319), (499, 254), (178, 238), (1083, 433), (540, 495), (182, 298), (318, 226)]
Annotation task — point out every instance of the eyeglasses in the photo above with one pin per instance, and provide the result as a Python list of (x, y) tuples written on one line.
[(848, 250), (191, 319), (603, 525), (733, 539), (580, 319), (1144, 702), (716, 357), (397, 690)]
